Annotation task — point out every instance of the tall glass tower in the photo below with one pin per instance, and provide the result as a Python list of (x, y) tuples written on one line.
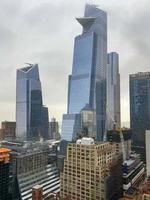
[(113, 92), (140, 109), (31, 115), (87, 83)]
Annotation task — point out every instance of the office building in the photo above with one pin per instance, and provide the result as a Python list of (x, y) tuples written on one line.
[(139, 109), (54, 129), (133, 172), (91, 171), (33, 164), (113, 92), (148, 153), (8, 130), (4, 174), (87, 83), (31, 115)]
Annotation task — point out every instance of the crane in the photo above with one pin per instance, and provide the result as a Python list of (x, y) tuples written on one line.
[(117, 129)]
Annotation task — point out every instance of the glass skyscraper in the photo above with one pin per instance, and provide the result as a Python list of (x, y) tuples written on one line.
[(113, 91), (31, 115), (140, 108), (87, 83)]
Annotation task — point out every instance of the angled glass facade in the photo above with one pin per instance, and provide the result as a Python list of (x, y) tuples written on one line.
[(29, 105), (87, 83)]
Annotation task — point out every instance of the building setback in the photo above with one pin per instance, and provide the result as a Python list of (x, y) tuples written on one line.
[(140, 108), (91, 171), (87, 83), (31, 115)]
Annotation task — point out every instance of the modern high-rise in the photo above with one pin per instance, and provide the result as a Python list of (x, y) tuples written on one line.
[(31, 115), (91, 171), (113, 92), (87, 83), (140, 108)]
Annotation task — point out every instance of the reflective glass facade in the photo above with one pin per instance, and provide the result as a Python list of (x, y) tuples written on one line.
[(87, 83), (71, 125), (29, 106), (140, 106), (113, 91)]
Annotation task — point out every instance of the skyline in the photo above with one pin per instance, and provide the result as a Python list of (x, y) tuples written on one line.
[(18, 36)]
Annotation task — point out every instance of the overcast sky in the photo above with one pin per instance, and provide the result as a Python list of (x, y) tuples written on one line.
[(43, 31)]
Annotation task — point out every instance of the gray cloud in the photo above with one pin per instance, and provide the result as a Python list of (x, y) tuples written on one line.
[(42, 31)]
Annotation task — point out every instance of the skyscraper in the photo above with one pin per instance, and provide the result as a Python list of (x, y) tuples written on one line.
[(140, 108), (87, 83), (31, 115), (113, 91)]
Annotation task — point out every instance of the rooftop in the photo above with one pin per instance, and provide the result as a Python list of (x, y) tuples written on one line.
[(85, 141)]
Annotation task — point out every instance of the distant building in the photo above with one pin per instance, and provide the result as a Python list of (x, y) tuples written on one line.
[(91, 171), (113, 92), (33, 164), (31, 115), (87, 83), (140, 109), (54, 129), (148, 152), (8, 130), (4, 173)]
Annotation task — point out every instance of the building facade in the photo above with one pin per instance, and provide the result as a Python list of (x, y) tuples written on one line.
[(8, 130), (37, 193), (114, 136), (87, 83), (4, 173), (148, 152), (31, 115), (113, 92), (88, 171), (140, 108), (133, 172), (33, 164), (54, 129)]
